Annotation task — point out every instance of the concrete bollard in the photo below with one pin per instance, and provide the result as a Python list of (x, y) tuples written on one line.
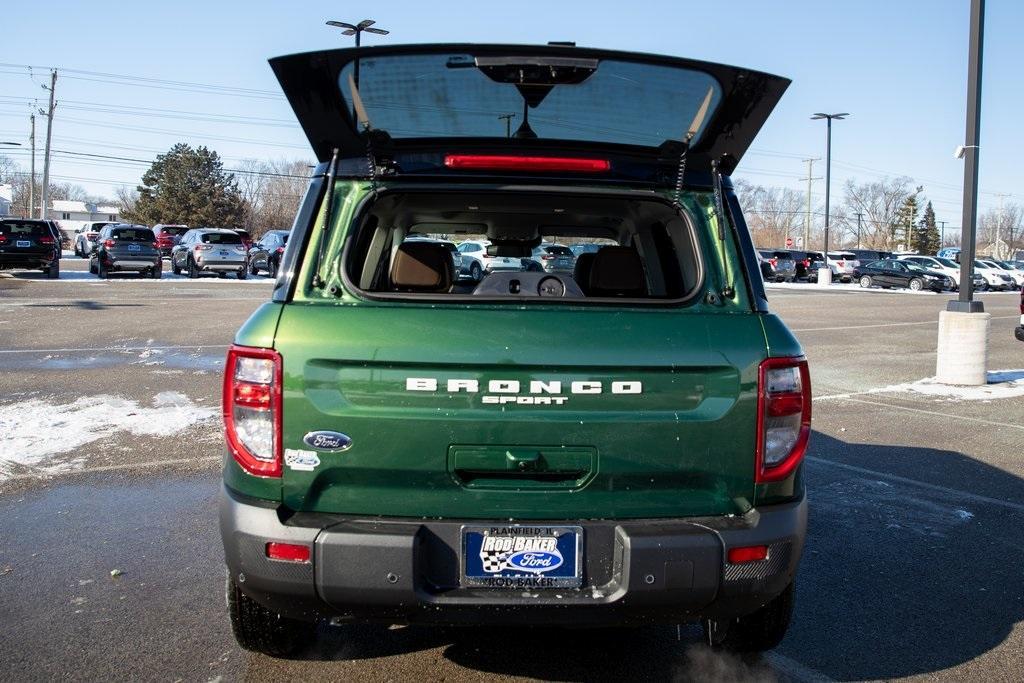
[(824, 277), (963, 348)]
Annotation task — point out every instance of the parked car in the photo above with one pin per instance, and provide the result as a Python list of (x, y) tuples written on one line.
[(1009, 269), (30, 244), (995, 278), (210, 250), (1019, 331), (267, 252), (890, 273), (85, 239), (126, 248), (585, 248), (554, 258), (806, 264), (841, 263), (870, 255), (781, 263), (950, 269), (528, 453), (167, 236), (476, 263), (246, 238)]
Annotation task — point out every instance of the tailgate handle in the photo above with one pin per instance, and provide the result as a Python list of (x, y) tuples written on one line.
[(490, 466)]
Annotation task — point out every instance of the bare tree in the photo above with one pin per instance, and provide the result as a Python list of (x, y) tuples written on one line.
[(1001, 231), (127, 197), (772, 213), (881, 202)]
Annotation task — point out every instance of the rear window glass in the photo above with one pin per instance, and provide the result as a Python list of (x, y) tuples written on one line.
[(652, 255), (25, 229), (177, 232), (842, 255), (220, 238), (133, 234), (563, 98)]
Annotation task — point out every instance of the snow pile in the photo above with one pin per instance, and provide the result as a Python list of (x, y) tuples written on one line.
[(36, 431), (846, 287)]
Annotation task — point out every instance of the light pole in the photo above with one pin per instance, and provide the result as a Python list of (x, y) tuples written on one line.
[(828, 168), (357, 30)]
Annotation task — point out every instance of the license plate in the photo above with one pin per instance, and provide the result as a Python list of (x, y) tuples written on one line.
[(134, 247), (24, 243), (223, 252), (522, 556)]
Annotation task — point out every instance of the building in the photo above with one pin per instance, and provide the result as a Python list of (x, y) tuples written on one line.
[(6, 199)]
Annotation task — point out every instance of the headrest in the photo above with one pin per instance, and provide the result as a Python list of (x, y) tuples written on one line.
[(617, 271), (421, 267), (581, 271)]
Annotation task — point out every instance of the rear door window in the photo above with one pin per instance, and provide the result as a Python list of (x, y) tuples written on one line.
[(26, 229), (132, 235), (220, 238)]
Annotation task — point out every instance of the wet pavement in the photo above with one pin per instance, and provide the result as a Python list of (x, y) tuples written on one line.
[(911, 568)]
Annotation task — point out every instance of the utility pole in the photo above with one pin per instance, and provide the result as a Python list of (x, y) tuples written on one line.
[(44, 209), (859, 217), (508, 123), (807, 220), (942, 239), (32, 167)]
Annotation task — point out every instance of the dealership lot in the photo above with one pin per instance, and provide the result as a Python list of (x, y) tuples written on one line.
[(111, 392)]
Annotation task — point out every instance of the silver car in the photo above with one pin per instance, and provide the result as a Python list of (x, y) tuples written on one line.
[(210, 250)]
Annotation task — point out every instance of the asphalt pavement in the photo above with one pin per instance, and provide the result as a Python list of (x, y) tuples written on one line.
[(911, 570)]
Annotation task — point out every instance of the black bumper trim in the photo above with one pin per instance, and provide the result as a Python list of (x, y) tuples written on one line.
[(401, 570)]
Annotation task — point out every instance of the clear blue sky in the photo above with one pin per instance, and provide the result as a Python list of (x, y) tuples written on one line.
[(898, 66)]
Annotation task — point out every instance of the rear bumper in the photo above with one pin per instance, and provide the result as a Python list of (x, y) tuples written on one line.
[(30, 260), (133, 264), (1018, 332), (401, 570), (218, 266)]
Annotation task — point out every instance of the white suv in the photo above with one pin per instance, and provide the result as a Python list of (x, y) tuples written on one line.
[(947, 267), (476, 263)]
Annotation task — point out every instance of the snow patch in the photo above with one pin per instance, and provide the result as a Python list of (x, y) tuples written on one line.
[(845, 287), (1001, 384), (38, 432)]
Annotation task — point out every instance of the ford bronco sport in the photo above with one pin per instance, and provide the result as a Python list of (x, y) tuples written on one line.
[(619, 445)]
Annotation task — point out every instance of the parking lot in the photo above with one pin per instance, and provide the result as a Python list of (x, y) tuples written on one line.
[(110, 392)]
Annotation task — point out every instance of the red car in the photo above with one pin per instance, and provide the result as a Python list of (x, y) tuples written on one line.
[(246, 238), (167, 236)]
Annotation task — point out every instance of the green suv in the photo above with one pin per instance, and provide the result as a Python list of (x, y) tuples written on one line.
[(618, 445)]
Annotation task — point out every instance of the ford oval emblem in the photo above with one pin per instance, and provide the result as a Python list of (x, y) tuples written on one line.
[(328, 441), (538, 561)]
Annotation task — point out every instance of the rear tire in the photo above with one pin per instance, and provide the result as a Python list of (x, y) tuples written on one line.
[(193, 272), (916, 285), (253, 270), (157, 273), (756, 632), (272, 269), (243, 274), (53, 272), (476, 273), (101, 272), (174, 267), (865, 282), (257, 629)]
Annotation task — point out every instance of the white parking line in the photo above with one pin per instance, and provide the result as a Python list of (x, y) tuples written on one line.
[(114, 468), (945, 416), (956, 493), (118, 349), (847, 328), (795, 670)]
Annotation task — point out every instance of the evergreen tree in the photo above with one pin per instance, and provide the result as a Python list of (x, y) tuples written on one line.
[(188, 186), (906, 219), (926, 233)]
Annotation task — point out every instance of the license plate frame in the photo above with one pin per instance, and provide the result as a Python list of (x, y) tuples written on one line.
[(134, 247), (504, 562), (23, 243)]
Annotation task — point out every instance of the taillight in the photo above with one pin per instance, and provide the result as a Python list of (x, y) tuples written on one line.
[(203, 247), (45, 240), (108, 243), (807, 263), (783, 417), (546, 257), (280, 250), (288, 552), (501, 162), (3, 238), (154, 245), (252, 409), (749, 553), (773, 261)]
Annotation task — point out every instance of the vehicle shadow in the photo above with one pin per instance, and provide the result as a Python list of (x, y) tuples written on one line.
[(897, 579), (83, 304)]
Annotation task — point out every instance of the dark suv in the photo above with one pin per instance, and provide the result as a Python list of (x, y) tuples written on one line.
[(125, 248), (30, 244), (266, 253), (617, 445)]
